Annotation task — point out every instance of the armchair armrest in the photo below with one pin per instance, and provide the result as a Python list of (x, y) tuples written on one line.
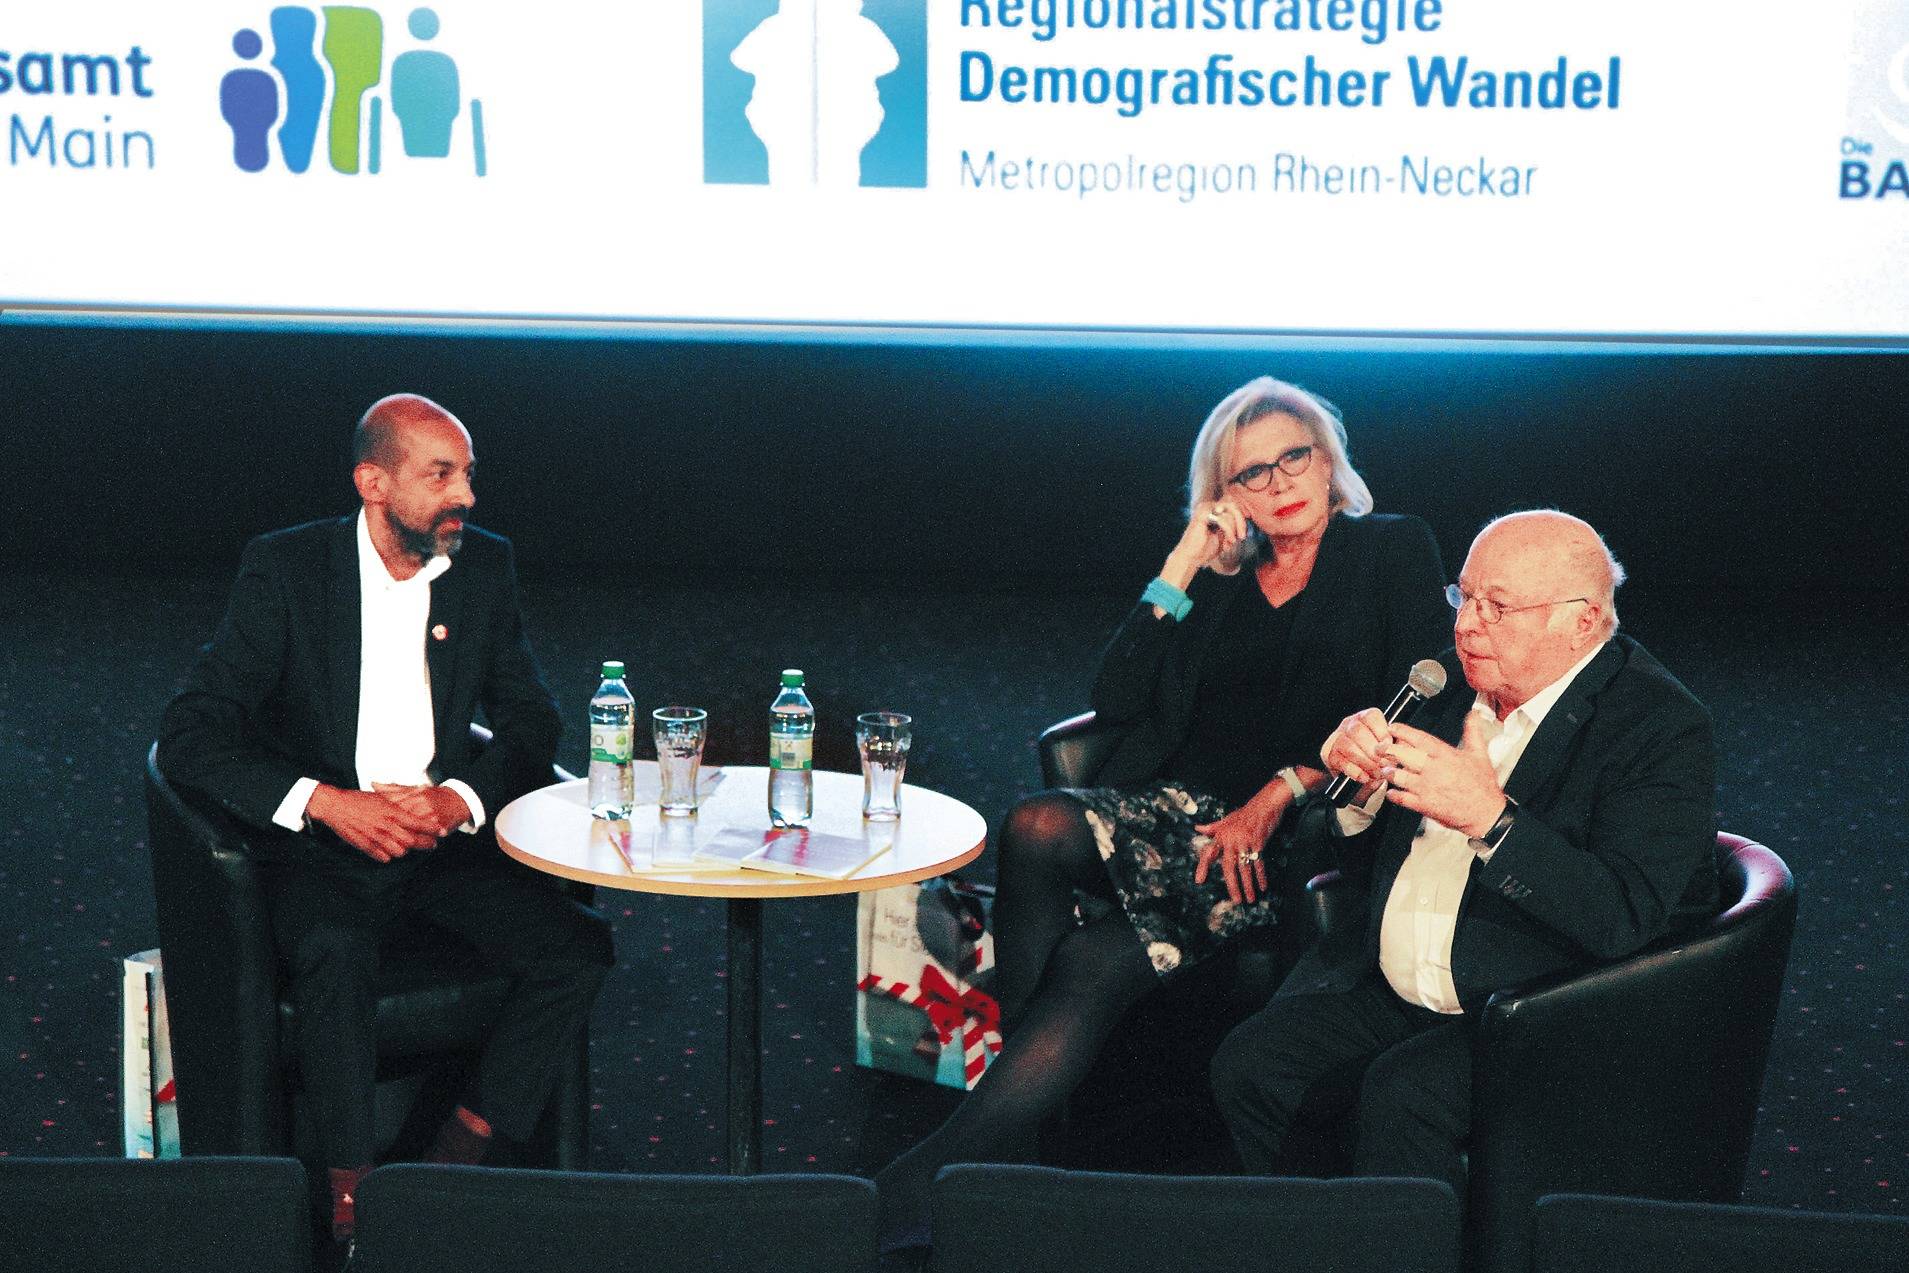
[(1637, 1078), (482, 735), (583, 892), (221, 972), (1575, 1074), (1335, 904), (1074, 750)]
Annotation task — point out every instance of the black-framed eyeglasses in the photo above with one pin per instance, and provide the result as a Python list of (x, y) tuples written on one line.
[(1257, 477), (1490, 611)]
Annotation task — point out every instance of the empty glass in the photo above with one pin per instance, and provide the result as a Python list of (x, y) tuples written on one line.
[(882, 738), (679, 754)]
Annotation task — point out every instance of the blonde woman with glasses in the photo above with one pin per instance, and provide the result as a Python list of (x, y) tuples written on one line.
[(1285, 605)]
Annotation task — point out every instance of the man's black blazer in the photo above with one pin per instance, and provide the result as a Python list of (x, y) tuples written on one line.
[(1612, 847), (1374, 606), (274, 697)]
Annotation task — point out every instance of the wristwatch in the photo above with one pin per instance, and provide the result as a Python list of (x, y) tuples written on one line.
[(1294, 782), (1495, 836)]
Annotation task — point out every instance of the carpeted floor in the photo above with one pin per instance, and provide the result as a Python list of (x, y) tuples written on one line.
[(1810, 707)]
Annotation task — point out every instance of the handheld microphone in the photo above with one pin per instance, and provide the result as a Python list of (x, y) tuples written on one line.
[(1427, 679)]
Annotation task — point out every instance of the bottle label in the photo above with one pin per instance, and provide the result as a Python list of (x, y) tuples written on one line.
[(612, 743), (790, 751)]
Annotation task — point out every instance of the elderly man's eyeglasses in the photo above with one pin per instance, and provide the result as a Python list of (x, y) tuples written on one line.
[(1257, 477), (1490, 611)]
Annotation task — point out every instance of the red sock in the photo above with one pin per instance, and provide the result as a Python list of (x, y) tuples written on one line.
[(464, 1139), (344, 1199)]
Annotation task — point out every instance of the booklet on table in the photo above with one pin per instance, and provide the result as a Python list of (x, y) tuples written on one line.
[(795, 851)]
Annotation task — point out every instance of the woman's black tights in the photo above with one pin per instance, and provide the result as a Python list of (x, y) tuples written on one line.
[(1062, 988)]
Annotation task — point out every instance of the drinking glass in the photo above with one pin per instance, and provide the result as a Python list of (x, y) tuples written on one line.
[(882, 738), (679, 754)]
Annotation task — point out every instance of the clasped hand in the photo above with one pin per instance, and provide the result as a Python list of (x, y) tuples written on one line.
[(386, 823), (1452, 785)]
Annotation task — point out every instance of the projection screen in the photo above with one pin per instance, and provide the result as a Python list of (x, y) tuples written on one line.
[(1728, 169)]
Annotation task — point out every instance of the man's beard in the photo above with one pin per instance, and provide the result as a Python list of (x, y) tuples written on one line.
[(426, 544)]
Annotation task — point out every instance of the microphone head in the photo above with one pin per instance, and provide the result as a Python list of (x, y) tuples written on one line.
[(1427, 678)]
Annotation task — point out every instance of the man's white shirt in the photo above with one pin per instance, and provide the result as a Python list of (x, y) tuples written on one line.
[(396, 735), (1421, 912)]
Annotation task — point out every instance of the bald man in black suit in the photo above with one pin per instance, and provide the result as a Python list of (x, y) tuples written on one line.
[(331, 714), (1557, 814)]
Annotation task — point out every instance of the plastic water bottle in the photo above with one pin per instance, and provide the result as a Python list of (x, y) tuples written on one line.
[(612, 746), (791, 754)]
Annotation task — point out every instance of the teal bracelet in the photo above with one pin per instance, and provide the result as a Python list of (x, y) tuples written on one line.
[(1167, 597)]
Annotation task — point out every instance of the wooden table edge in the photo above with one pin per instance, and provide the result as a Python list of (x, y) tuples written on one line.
[(746, 884), (742, 883)]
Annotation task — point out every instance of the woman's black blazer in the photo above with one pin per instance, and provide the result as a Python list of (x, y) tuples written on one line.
[(1374, 606)]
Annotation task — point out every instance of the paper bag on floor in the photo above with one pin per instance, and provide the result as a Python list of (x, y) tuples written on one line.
[(924, 959)]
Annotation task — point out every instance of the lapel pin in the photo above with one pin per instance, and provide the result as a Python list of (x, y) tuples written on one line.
[(440, 632)]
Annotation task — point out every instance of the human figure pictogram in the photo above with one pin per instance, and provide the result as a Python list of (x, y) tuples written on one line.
[(294, 39), (248, 101), (354, 48), (424, 92)]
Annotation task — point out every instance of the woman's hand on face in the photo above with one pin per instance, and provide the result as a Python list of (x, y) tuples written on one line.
[(1236, 842), (1213, 529)]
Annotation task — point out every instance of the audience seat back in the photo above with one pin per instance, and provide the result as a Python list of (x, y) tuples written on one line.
[(1018, 1219), (420, 1218), (131, 1215), (1579, 1233)]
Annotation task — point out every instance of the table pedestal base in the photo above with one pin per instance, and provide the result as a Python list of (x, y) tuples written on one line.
[(744, 1062)]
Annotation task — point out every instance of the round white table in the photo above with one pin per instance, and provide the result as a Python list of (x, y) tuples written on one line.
[(551, 830)]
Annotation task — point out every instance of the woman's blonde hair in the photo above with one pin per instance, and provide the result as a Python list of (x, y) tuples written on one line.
[(1253, 401)]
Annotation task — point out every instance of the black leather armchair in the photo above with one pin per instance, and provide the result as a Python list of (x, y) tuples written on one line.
[(237, 1087), (1638, 1078), (1074, 750)]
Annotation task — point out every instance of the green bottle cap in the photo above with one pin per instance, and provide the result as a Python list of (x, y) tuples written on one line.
[(792, 676), (613, 669)]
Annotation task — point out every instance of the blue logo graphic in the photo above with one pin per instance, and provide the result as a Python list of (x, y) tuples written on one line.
[(815, 92), (424, 92)]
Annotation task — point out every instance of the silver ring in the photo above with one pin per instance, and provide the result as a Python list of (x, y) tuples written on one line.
[(1250, 857)]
